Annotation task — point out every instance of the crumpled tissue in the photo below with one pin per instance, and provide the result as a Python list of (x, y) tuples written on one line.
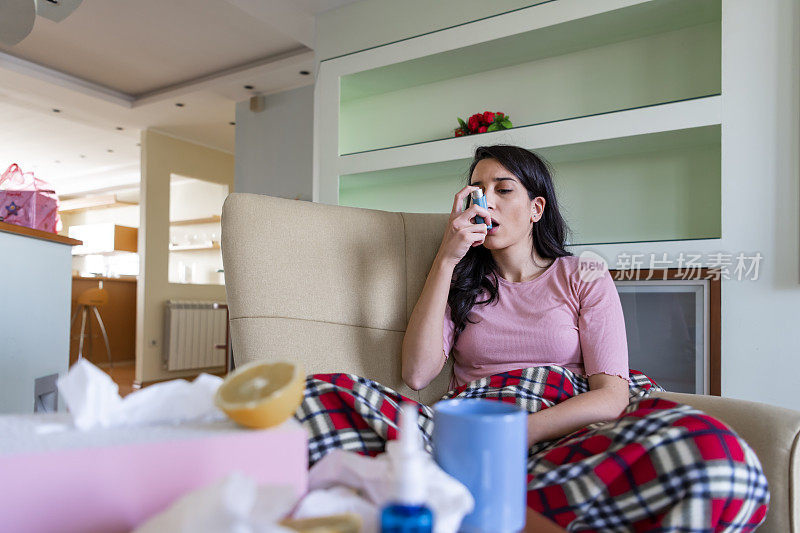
[(93, 399), (233, 504), (331, 479)]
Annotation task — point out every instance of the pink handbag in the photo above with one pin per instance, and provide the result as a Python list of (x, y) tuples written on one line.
[(26, 200)]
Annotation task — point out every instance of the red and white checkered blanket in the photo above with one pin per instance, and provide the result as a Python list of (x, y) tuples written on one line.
[(659, 466)]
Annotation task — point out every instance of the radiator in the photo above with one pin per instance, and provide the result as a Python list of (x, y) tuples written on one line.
[(193, 332)]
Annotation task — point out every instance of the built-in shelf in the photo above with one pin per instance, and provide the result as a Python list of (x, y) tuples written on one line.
[(385, 174), (194, 247), (208, 220), (663, 186), (568, 138), (539, 32), (622, 97), (613, 57)]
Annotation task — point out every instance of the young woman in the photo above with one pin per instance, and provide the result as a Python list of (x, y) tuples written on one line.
[(524, 322)]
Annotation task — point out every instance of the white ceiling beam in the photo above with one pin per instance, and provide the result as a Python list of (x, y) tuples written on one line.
[(61, 79), (234, 75), (285, 16), (94, 201), (301, 57), (80, 187), (123, 177)]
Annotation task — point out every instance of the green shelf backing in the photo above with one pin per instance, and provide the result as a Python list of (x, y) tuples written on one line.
[(662, 186)]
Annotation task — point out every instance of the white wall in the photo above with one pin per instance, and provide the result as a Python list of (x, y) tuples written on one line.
[(191, 198), (162, 157), (274, 148), (760, 167)]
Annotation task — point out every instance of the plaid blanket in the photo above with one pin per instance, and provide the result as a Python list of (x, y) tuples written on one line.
[(659, 466)]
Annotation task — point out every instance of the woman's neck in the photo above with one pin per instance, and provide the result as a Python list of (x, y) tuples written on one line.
[(520, 265)]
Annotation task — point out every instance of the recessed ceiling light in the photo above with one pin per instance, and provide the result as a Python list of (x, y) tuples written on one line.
[(110, 151), (56, 111), (120, 128), (305, 72), (179, 104), (249, 87), (83, 156)]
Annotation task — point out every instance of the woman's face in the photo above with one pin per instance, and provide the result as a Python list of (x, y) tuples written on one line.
[(508, 203)]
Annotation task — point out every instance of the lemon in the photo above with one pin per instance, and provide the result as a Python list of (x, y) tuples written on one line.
[(341, 523), (261, 394)]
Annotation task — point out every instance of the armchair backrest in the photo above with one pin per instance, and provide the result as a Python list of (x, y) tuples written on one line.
[(330, 287)]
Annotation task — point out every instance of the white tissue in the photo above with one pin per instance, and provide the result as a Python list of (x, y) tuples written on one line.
[(234, 504), (374, 478), (93, 399), (337, 500)]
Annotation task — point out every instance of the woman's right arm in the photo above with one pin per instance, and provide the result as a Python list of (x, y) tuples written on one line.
[(423, 344)]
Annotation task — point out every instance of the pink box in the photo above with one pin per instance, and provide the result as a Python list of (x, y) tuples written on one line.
[(26, 200), (70, 484)]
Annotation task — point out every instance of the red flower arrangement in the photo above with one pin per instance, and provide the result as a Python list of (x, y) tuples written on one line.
[(482, 123)]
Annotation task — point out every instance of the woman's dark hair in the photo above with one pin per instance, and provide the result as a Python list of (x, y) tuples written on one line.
[(477, 269)]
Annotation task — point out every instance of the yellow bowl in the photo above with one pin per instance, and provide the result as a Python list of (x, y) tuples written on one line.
[(261, 394)]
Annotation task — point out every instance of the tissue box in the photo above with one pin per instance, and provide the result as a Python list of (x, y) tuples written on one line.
[(56, 478)]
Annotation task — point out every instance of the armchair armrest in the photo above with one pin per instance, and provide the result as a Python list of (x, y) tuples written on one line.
[(774, 434)]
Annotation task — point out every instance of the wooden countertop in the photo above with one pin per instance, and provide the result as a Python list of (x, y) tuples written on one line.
[(38, 234), (128, 279)]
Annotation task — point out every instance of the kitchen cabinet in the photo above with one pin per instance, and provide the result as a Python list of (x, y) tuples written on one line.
[(104, 238)]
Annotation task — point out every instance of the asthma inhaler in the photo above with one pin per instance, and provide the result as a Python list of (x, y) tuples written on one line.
[(478, 198)]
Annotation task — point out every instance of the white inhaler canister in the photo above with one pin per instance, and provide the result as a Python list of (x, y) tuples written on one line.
[(478, 198)]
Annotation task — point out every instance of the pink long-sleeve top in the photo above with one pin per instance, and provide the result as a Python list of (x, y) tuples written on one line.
[(556, 318)]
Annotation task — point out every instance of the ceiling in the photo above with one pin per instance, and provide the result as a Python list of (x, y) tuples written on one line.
[(115, 67)]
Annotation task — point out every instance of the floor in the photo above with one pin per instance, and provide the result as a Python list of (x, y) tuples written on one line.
[(123, 374)]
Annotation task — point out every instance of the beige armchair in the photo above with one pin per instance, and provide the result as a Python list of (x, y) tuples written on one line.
[(333, 287)]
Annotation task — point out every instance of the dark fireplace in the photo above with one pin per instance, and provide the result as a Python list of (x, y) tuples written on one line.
[(672, 327)]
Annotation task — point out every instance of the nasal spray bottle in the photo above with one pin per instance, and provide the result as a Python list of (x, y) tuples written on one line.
[(478, 198), (407, 512)]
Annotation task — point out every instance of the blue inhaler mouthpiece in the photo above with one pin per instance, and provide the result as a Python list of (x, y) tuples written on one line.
[(478, 197)]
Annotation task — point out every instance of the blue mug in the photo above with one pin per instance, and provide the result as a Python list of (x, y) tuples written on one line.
[(484, 445)]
